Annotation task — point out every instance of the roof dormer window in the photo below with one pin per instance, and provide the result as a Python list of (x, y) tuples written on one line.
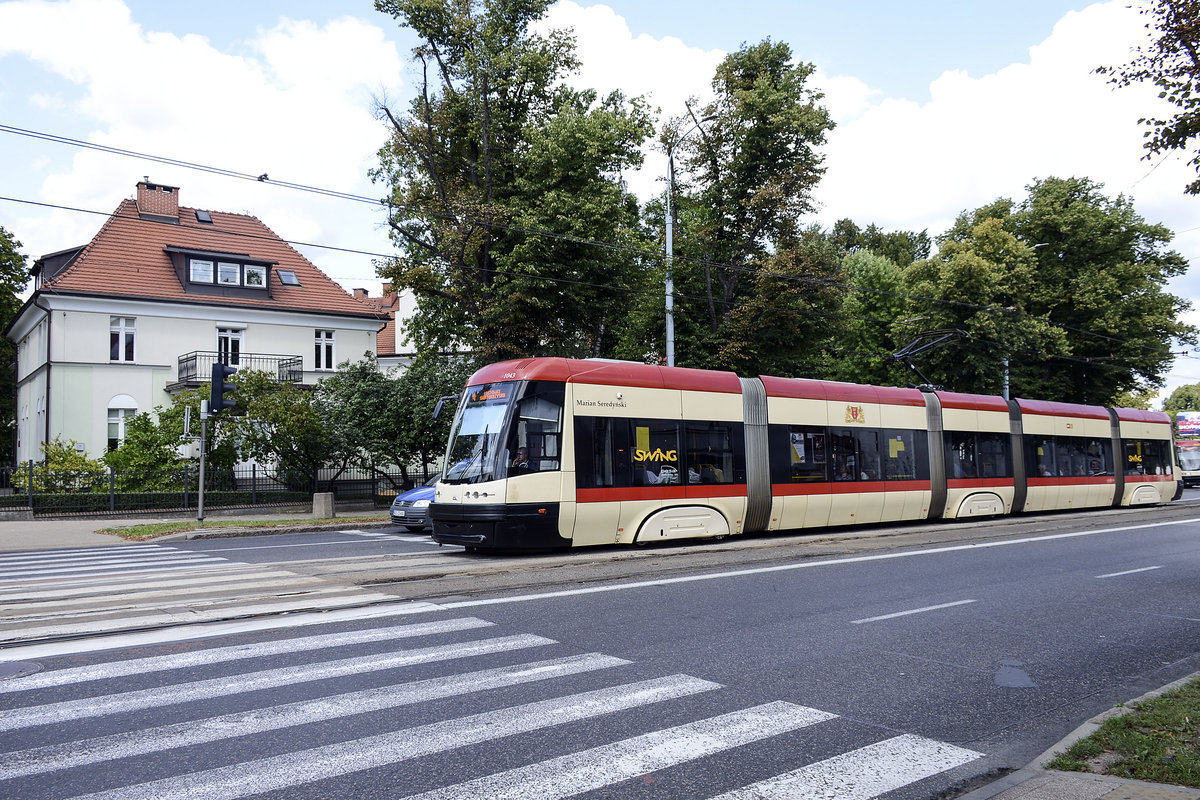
[(200, 270)]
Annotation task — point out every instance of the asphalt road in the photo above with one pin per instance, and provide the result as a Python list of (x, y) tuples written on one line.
[(977, 645)]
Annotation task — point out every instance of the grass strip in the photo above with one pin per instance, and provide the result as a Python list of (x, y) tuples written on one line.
[(1158, 740), (151, 530)]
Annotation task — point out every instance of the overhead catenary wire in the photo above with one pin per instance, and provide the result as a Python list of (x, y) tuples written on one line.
[(648, 254)]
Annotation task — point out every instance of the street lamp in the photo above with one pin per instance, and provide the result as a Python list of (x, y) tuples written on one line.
[(670, 251)]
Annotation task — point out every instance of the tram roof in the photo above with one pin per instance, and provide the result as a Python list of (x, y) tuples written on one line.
[(836, 391), (616, 373), (1050, 408)]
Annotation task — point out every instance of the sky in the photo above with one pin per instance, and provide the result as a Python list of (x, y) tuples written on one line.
[(941, 106)]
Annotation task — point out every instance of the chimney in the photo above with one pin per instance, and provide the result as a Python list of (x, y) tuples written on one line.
[(361, 294), (157, 200)]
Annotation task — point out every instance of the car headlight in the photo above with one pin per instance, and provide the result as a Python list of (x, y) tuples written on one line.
[(421, 504)]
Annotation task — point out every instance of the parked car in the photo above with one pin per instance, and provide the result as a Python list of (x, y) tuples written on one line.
[(411, 508)]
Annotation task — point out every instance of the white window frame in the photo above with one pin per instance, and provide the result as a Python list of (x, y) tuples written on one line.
[(255, 269), (123, 327), (324, 351), (231, 335), (117, 416), (205, 264), (224, 268)]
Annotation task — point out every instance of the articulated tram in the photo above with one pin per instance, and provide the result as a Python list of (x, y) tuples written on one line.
[(551, 452)]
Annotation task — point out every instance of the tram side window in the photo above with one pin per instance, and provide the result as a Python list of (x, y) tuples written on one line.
[(904, 456), (993, 455), (960, 454), (1147, 457), (1040, 456), (855, 454), (714, 452), (1098, 457), (654, 452), (597, 450), (806, 454)]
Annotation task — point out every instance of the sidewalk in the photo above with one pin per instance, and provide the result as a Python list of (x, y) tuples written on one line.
[(1036, 783), (81, 532)]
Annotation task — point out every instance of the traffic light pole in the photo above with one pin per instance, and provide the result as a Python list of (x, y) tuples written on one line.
[(203, 447)]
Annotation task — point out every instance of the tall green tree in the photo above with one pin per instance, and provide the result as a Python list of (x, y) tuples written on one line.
[(1069, 286), (872, 318), (498, 173), (1172, 63), (14, 276), (427, 380), (746, 180), (1184, 398)]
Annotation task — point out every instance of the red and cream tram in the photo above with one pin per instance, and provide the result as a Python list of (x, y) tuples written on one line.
[(550, 452)]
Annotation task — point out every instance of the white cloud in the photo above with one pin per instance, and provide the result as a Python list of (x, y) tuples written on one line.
[(296, 104)]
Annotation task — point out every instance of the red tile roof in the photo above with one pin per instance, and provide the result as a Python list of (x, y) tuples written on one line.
[(127, 258)]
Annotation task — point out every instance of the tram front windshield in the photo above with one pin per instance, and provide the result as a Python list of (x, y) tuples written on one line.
[(506, 429), (475, 439)]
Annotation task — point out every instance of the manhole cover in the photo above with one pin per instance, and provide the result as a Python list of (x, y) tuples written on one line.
[(18, 669)]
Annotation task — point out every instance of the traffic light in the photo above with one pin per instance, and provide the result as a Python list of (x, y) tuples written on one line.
[(220, 399)]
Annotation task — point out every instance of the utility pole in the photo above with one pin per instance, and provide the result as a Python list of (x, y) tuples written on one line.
[(203, 447)]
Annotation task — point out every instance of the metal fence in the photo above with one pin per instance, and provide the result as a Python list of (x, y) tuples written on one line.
[(48, 492)]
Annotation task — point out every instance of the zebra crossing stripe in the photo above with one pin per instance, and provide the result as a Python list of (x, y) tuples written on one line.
[(70, 710), (91, 586), (601, 766), (861, 774), (327, 597), (157, 562), (237, 652), (245, 723), (73, 552), (128, 599), (306, 766)]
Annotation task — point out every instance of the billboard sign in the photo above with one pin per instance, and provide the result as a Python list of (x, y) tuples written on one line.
[(1187, 424)]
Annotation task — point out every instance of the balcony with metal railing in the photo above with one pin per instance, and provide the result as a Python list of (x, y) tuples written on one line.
[(195, 368)]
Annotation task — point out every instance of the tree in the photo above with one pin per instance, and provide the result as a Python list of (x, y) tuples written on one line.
[(1067, 286), (13, 278), (748, 178), (901, 247), (1172, 63), (501, 179), (148, 457), (427, 380), (1184, 398), (871, 318)]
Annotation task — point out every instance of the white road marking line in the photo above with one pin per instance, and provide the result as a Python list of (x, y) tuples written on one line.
[(912, 611), (326, 597), (71, 710), (107, 550), (861, 774), (831, 562), (306, 766), (245, 723), (115, 584), (132, 599), (157, 562), (574, 774), (236, 652), (1129, 572), (33, 652)]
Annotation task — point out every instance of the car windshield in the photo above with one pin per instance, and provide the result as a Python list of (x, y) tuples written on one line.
[(433, 481)]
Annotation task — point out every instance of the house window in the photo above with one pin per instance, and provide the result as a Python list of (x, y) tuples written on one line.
[(116, 426), (288, 277), (201, 271), (121, 338), (324, 350), (256, 277), (229, 346), (229, 274)]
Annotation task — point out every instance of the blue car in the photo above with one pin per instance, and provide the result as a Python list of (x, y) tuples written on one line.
[(411, 508)]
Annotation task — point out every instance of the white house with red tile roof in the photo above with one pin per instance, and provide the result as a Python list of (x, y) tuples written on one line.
[(161, 293)]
